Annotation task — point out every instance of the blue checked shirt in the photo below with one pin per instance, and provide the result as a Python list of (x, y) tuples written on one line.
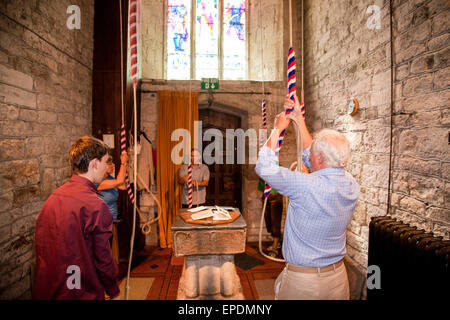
[(321, 205)]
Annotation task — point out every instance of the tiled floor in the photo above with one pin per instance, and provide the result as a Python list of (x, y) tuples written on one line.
[(166, 270)]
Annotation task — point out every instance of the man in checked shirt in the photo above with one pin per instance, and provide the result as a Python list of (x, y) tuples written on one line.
[(321, 205)]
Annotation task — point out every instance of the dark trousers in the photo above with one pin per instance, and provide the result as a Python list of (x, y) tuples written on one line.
[(273, 214)]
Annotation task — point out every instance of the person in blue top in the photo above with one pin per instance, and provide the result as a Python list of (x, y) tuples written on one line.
[(321, 205), (109, 186)]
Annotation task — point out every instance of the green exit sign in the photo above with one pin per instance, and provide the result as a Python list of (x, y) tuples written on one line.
[(210, 83)]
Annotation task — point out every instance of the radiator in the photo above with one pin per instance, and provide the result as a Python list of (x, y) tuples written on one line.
[(412, 263)]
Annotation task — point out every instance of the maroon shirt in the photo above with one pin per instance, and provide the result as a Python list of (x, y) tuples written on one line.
[(73, 253)]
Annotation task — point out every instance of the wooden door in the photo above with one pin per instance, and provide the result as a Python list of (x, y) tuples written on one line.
[(225, 182)]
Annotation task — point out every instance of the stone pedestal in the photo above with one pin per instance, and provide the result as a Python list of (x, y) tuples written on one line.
[(209, 271)]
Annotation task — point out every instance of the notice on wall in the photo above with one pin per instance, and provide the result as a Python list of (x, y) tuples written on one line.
[(109, 140)]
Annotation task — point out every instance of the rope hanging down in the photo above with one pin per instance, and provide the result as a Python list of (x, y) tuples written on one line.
[(190, 185), (190, 164), (132, 27), (132, 24), (267, 188), (132, 34), (133, 40), (264, 114), (292, 88), (123, 149), (123, 134)]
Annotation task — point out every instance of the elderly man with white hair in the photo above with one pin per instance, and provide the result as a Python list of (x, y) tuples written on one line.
[(321, 205)]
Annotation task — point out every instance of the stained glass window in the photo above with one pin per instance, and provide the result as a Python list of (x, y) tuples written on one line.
[(234, 39), (206, 39), (219, 32), (178, 39)]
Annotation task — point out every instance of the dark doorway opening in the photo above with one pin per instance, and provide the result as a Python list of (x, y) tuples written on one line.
[(225, 182)]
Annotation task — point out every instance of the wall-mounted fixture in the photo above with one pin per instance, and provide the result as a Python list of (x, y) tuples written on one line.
[(352, 106)]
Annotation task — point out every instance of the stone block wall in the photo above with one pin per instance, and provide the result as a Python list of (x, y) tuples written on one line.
[(421, 164), (45, 104), (346, 58)]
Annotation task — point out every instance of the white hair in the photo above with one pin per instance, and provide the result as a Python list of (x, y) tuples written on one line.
[(334, 147)]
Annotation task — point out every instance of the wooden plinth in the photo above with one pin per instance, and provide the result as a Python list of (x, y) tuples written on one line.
[(209, 271)]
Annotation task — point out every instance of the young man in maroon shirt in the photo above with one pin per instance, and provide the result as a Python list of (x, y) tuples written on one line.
[(73, 253)]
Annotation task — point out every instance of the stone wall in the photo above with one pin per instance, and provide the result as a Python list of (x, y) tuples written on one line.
[(421, 164), (45, 104), (345, 57)]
